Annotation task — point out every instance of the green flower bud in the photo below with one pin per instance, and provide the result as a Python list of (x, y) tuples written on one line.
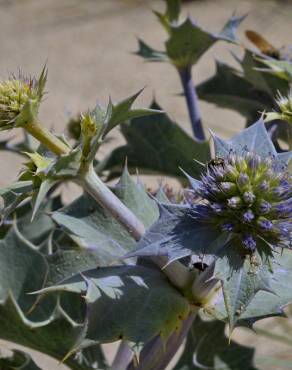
[(228, 188), (285, 106), (249, 197), (234, 202), (19, 100)]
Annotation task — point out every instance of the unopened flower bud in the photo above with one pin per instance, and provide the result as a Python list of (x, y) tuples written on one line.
[(217, 208), (285, 109), (248, 216), (227, 226), (263, 186), (253, 161), (228, 187), (249, 242), (231, 173), (241, 164), (243, 180), (264, 207), (234, 202), (249, 197), (264, 224)]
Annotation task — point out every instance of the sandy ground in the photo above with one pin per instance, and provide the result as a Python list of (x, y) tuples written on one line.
[(88, 47)]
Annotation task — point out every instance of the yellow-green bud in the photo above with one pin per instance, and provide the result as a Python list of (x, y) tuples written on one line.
[(285, 106), (19, 100)]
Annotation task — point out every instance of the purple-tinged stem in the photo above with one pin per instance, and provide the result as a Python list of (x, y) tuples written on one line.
[(192, 102), (123, 357), (156, 355)]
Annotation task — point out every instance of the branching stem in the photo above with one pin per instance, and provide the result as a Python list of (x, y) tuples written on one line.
[(177, 273)]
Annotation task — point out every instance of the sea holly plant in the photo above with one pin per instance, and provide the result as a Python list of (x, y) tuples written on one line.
[(118, 264), (239, 223), (186, 44)]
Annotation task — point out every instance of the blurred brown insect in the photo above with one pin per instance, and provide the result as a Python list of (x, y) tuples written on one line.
[(265, 47), (262, 44)]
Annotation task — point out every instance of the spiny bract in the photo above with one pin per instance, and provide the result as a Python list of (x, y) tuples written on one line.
[(248, 198)]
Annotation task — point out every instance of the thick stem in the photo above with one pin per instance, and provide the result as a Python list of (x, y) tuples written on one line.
[(123, 357), (45, 137), (192, 102), (92, 184), (178, 274), (156, 355)]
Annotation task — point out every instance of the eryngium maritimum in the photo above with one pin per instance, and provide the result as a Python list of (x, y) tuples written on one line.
[(248, 198), (15, 93)]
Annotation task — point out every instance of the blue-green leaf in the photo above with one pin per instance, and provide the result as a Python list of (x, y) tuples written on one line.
[(148, 53), (228, 31), (254, 139), (156, 144), (122, 112), (188, 42), (131, 302), (242, 277), (229, 89), (265, 304), (176, 234), (97, 231)]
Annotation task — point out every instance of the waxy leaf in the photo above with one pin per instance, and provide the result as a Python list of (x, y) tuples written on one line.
[(55, 324), (122, 112), (264, 304), (254, 139), (130, 302), (229, 89), (279, 68), (45, 328), (187, 41), (66, 263), (156, 144), (176, 234), (241, 277), (228, 31), (22, 269), (250, 91), (55, 335), (95, 228), (149, 54), (12, 196), (207, 347), (251, 69)]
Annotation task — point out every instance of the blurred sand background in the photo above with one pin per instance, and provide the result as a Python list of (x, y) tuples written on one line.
[(88, 45)]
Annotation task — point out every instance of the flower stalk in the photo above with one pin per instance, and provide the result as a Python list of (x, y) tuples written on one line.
[(185, 74), (44, 136)]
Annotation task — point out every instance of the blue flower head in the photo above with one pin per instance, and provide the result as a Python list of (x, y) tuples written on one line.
[(246, 192)]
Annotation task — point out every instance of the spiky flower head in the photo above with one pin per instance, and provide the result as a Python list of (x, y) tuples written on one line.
[(248, 198), (284, 104), (20, 97)]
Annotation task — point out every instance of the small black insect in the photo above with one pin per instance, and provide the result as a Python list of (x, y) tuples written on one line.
[(215, 163)]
